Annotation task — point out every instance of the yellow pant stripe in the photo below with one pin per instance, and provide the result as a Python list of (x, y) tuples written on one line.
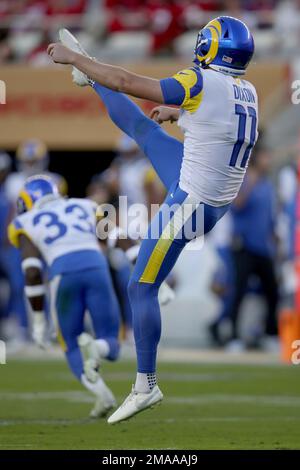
[(166, 239), (156, 259), (61, 340)]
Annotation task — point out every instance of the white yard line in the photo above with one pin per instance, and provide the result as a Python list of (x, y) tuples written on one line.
[(171, 421), (166, 354), (83, 397)]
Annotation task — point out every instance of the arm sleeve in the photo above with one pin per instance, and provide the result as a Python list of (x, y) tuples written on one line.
[(184, 89)]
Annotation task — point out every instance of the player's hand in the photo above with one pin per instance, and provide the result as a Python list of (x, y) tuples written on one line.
[(60, 54), (162, 114), (39, 326)]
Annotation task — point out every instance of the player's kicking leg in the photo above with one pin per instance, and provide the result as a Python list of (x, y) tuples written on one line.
[(164, 152)]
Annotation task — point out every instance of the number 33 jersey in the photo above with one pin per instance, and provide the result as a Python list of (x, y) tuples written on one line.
[(61, 229), (219, 118)]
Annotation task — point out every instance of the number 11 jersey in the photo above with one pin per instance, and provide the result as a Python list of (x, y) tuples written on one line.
[(219, 122)]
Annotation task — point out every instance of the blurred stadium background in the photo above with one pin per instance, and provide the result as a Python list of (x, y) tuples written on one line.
[(50, 124)]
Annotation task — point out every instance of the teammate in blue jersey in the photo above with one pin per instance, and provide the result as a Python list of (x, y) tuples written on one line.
[(62, 233), (218, 114)]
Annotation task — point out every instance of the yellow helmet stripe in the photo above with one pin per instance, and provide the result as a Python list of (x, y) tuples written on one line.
[(216, 29), (27, 199), (216, 24)]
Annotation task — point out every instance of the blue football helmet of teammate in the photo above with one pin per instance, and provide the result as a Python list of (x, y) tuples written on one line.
[(32, 157), (35, 188), (225, 44)]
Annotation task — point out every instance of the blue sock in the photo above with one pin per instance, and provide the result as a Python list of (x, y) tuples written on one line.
[(146, 323)]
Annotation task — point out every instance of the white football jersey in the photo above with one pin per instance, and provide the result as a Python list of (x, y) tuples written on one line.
[(58, 227), (220, 130)]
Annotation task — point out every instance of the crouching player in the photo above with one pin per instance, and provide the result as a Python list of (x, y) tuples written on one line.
[(61, 233)]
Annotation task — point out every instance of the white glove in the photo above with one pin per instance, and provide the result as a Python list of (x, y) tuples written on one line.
[(39, 326), (165, 294)]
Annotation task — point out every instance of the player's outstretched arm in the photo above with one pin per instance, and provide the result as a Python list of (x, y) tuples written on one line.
[(111, 76)]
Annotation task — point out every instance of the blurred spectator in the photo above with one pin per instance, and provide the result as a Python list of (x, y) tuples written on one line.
[(166, 22), (6, 54), (287, 24), (254, 244), (237, 9), (66, 7), (38, 57), (126, 15), (28, 22)]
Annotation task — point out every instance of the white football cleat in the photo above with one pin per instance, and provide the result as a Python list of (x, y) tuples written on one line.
[(99, 409), (68, 40), (135, 403), (105, 399), (91, 357)]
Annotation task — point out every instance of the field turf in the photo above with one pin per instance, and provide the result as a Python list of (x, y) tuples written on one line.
[(205, 407)]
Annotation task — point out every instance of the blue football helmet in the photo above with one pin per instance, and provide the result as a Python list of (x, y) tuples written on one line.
[(225, 44), (32, 157), (35, 189)]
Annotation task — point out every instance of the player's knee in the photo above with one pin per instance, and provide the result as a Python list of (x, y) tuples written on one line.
[(140, 290)]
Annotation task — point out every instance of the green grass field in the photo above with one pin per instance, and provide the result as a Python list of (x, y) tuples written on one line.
[(205, 407)]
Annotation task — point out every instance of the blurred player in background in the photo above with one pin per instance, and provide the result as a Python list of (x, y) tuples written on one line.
[(218, 116), (61, 233), (222, 284), (287, 220), (32, 158), (254, 245), (15, 325), (5, 215)]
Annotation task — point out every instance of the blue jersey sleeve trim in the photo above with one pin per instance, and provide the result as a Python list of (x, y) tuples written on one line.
[(173, 92)]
